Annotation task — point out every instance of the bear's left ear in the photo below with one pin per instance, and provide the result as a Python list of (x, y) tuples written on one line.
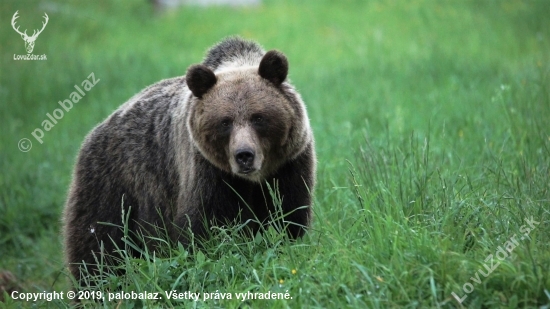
[(200, 79), (274, 67)]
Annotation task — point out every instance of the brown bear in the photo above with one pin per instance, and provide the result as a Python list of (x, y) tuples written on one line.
[(192, 152)]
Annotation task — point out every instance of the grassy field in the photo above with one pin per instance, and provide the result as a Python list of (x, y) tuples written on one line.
[(431, 121)]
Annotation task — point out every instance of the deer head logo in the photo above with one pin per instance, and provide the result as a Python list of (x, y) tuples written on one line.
[(29, 40)]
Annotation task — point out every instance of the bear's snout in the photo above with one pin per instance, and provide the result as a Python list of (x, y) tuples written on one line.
[(245, 160), (246, 157)]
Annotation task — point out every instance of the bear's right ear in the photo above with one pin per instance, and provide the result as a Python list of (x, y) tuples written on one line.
[(274, 67), (200, 79)]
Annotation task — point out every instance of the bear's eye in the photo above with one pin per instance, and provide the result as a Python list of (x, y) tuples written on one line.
[(257, 119), (226, 123)]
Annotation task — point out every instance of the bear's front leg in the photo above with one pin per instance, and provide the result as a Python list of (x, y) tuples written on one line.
[(295, 181)]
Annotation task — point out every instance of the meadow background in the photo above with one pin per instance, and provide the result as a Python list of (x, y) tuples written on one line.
[(431, 121)]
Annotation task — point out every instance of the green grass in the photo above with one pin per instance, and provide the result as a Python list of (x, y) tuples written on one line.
[(431, 127)]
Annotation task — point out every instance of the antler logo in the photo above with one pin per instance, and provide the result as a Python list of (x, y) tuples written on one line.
[(29, 40)]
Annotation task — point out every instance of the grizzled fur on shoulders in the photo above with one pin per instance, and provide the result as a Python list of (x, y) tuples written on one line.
[(233, 51), (192, 152)]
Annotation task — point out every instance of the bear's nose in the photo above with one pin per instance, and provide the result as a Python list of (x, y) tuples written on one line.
[(245, 158)]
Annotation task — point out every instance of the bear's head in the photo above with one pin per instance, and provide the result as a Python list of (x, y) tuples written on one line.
[(247, 120)]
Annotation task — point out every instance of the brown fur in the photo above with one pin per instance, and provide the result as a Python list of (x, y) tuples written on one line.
[(195, 149)]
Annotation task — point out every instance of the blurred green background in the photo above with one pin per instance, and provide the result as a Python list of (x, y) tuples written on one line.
[(430, 118)]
